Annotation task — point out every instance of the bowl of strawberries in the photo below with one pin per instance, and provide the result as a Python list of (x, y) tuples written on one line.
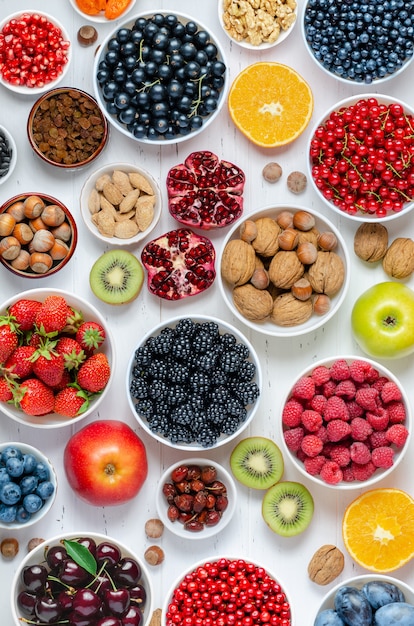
[(57, 358)]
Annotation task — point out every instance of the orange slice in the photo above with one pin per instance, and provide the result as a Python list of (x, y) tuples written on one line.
[(378, 529), (270, 103)]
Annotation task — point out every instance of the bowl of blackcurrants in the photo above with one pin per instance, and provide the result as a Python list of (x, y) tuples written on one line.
[(160, 77), (81, 578), (28, 485)]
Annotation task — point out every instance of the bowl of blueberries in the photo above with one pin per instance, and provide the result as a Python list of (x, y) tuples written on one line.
[(359, 42), (160, 77), (28, 485)]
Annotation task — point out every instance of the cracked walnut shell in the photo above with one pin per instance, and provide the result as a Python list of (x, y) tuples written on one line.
[(371, 241), (238, 262), (398, 261), (327, 273)]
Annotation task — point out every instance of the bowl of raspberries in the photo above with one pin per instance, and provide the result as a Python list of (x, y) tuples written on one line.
[(194, 383), (345, 422)]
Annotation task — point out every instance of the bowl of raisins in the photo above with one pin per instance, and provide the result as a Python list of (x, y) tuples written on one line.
[(161, 78), (196, 498)]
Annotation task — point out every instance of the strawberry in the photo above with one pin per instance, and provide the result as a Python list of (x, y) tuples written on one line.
[(19, 363), (52, 316), (8, 339), (90, 335), (72, 352), (34, 397), (71, 401), (24, 313), (48, 365), (5, 390), (93, 374)]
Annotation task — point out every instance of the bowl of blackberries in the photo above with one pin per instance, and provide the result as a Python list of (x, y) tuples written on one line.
[(368, 43), (81, 578), (194, 383), (160, 77)]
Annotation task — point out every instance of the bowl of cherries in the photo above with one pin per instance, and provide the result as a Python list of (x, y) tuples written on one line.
[(81, 578)]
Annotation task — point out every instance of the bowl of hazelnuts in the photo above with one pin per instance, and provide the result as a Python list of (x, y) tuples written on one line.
[(284, 270)]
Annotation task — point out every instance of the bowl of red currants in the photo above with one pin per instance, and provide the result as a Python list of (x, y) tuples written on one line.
[(161, 77), (360, 158), (107, 580)]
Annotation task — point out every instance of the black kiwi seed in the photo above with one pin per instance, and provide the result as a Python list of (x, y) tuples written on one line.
[(257, 462), (287, 508), (116, 277)]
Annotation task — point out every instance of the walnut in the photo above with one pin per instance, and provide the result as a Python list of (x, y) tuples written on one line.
[(238, 262), (398, 261), (289, 311), (310, 236), (326, 564), (156, 618), (327, 274), (253, 303), (266, 241), (371, 241), (285, 269)]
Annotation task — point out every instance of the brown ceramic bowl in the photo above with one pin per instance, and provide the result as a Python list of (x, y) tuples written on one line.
[(38, 235), (62, 137)]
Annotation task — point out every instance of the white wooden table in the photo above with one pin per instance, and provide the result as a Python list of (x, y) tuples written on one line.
[(282, 359)]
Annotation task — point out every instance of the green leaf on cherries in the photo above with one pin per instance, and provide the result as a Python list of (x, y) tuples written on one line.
[(81, 555)]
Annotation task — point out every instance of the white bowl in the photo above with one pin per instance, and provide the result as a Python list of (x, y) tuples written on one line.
[(359, 215), (358, 582), (100, 18), (124, 128), (26, 449), (177, 527), (222, 438), (89, 186), (37, 556), (21, 89), (13, 153), (266, 326), (380, 473), (90, 313), (264, 45), (210, 569)]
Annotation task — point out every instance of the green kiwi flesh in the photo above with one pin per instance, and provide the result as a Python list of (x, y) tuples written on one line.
[(287, 508), (257, 462), (116, 277)]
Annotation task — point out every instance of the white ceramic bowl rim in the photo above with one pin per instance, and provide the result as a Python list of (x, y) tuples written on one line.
[(13, 150)]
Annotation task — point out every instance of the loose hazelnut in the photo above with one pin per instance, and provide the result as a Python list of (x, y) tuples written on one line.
[(87, 35), (154, 555), (9, 547), (260, 278), (307, 253), (248, 231), (288, 239), (321, 304), (154, 528), (272, 172), (327, 240), (296, 182), (303, 220), (33, 543), (302, 289)]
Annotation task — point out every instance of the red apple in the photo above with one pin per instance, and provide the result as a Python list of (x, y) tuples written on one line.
[(105, 463)]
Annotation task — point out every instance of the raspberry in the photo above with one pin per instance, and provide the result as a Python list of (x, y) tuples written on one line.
[(379, 384), (321, 375), (340, 370), (367, 398), (340, 454), (346, 389), (311, 445), (337, 430), (293, 438), (390, 392), (371, 375), (329, 388), (360, 453), (397, 434), (331, 473), (292, 413), (354, 410), (383, 457), (318, 403), (378, 439), (335, 409), (358, 369), (379, 420), (311, 420), (348, 474), (360, 429), (363, 472), (304, 388), (313, 465), (322, 434), (396, 412)]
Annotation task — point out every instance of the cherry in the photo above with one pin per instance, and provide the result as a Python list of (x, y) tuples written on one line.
[(74, 619), (127, 572), (34, 578), (107, 554), (117, 601), (133, 617), (138, 594), (48, 609), (86, 602), (26, 602), (109, 621), (55, 556), (89, 543), (70, 573)]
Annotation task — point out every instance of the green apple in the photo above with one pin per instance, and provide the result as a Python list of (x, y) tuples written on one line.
[(382, 320)]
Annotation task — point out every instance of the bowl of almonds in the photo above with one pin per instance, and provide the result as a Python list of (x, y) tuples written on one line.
[(284, 270), (120, 203)]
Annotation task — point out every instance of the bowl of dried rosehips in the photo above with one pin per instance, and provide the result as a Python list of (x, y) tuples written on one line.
[(360, 158), (345, 422), (196, 498), (102, 11)]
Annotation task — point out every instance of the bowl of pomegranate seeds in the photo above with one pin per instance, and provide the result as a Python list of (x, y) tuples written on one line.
[(346, 422), (219, 577), (196, 498), (57, 358), (35, 52), (360, 158), (194, 383)]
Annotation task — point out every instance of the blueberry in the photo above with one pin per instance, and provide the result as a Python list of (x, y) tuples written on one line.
[(379, 593), (28, 484), (42, 471), (7, 513), (32, 503), (9, 452), (328, 617), (353, 607), (395, 614), (22, 516), (15, 466), (45, 489), (10, 493), (29, 463), (4, 476)]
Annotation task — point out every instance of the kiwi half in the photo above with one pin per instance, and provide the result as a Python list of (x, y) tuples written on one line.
[(257, 462), (116, 277), (287, 508)]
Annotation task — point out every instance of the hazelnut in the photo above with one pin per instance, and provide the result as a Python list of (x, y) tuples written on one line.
[(302, 289), (16, 210), (321, 304), (154, 528), (327, 240), (302, 220), (7, 224), (22, 261), (40, 262), (285, 219), (288, 239), (9, 248), (33, 206), (248, 231), (272, 172), (9, 547), (154, 555), (307, 253), (260, 278), (33, 543)]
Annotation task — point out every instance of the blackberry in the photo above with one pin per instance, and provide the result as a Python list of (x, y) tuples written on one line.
[(212, 328), (219, 395), (230, 361), (230, 425), (208, 360), (179, 434), (144, 407), (183, 414), (181, 348), (218, 377), (185, 327), (143, 356), (246, 371), (202, 341), (235, 408), (138, 388), (179, 373), (162, 344), (199, 383), (200, 418), (207, 436), (242, 350), (176, 395), (198, 401), (158, 389), (157, 370), (247, 392), (227, 341)]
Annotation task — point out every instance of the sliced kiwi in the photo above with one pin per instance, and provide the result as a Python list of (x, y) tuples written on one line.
[(287, 508), (257, 462), (116, 277)]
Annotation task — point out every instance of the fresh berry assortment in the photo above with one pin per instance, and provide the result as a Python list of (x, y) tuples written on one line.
[(49, 363), (228, 591), (82, 581), (361, 157), (192, 383), (26, 484), (345, 421), (160, 77), (33, 51), (205, 192), (361, 42)]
